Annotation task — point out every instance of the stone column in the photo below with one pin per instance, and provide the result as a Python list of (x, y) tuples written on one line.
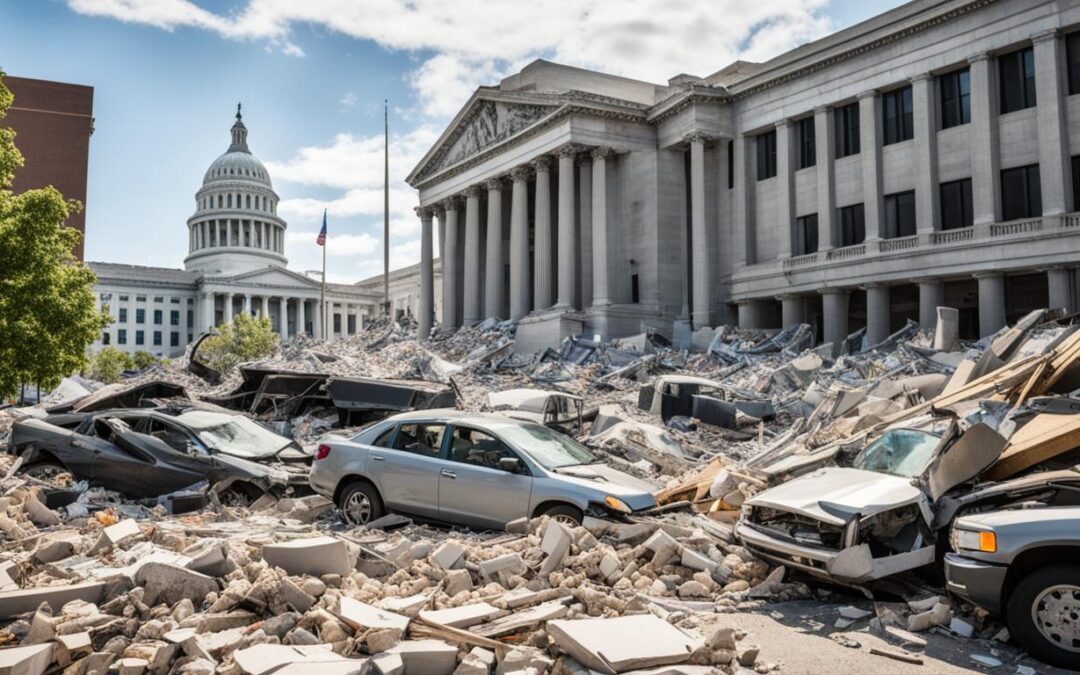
[(228, 232), (600, 227), (826, 192), (440, 214), (877, 313), (1059, 284), (427, 275), (316, 320), (870, 149), (585, 228), (926, 166), (701, 255), (991, 302), (228, 308), (208, 310), (931, 296), (834, 305), (748, 314), (451, 273), (785, 196), (986, 154), (744, 201), (301, 319), (542, 286), (283, 318), (792, 310), (473, 299), (331, 312), (493, 260), (265, 307), (1054, 161), (519, 244), (247, 304), (568, 270)]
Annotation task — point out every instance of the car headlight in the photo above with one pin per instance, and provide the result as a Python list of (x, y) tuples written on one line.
[(617, 505), (974, 540)]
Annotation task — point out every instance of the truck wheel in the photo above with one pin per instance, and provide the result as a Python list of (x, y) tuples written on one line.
[(567, 515), (1043, 614), (360, 503)]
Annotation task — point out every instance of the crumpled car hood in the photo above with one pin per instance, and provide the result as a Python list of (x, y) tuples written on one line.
[(635, 492), (833, 494)]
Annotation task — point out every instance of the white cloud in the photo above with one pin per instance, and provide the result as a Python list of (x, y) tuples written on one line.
[(348, 100), (338, 244)]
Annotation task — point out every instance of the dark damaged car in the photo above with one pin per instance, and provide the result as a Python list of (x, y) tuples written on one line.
[(145, 453)]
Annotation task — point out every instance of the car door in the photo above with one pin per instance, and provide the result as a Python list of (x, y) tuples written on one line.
[(407, 474), (473, 489), (141, 465)]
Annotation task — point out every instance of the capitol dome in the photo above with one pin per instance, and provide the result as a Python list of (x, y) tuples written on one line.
[(235, 227)]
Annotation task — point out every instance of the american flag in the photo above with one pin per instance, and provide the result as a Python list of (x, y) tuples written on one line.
[(321, 239)]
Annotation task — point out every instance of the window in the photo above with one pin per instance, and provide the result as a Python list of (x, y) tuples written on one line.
[(337, 323), (174, 317), (471, 446), (807, 148), (247, 201), (157, 317), (847, 130), (421, 439), (159, 298), (121, 336), (139, 339), (635, 289), (806, 234), (157, 338), (900, 215), (897, 115), (766, 155), (140, 315), (122, 318), (105, 338), (1072, 57), (852, 225), (1076, 182), (191, 317), (175, 301), (174, 339), (219, 201), (228, 200), (1016, 72), (140, 298), (956, 208), (955, 98), (123, 298), (1020, 193), (730, 164), (383, 441)]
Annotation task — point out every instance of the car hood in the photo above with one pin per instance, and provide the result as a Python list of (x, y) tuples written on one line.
[(635, 492), (834, 494)]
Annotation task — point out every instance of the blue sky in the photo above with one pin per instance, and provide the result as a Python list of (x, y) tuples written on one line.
[(312, 75)]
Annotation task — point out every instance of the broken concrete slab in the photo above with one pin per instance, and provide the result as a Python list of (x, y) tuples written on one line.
[(520, 621), (32, 660), (449, 555), (170, 584), (622, 643), (479, 661), (362, 615), (463, 616), (426, 657), (315, 556), (25, 600), (269, 658)]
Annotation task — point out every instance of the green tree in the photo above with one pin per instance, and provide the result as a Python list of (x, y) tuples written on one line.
[(109, 364), (47, 313), (245, 339), (141, 359)]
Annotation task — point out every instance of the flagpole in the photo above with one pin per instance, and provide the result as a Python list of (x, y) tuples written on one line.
[(386, 208), (322, 289)]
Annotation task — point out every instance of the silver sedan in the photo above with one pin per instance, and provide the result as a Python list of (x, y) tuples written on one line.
[(470, 469)]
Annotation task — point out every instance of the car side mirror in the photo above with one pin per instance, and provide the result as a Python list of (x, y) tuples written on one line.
[(509, 464)]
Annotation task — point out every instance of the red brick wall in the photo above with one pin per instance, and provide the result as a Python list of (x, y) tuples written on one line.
[(53, 122)]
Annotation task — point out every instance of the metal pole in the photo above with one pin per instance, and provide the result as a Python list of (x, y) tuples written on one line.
[(322, 295), (386, 208)]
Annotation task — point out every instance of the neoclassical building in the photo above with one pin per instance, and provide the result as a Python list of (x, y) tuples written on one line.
[(236, 263), (928, 156)]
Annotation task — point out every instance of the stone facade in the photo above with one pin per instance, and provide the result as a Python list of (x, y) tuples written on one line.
[(923, 157)]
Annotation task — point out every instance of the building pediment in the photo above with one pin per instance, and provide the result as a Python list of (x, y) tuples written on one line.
[(268, 276)]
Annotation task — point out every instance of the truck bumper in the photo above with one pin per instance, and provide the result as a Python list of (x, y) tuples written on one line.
[(977, 582)]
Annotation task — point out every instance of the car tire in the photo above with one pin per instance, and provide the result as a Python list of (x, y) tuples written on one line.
[(46, 471), (360, 503), (565, 514), (1043, 614)]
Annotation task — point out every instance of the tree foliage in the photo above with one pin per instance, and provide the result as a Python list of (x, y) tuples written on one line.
[(109, 364), (143, 359), (245, 339), (47, 312)]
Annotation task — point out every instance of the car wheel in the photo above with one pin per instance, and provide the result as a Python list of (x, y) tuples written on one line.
[(46, 471), (1043, 614), (360, 503), (567, 515)]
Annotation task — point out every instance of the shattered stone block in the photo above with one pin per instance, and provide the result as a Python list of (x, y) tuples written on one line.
[(381, 640), (610, 567), (315, 556), (664, 548), (432, 657), (502, 567), (696, 561), (457, 581), (479, 661), (449, 556), (388, 663), (167, 583), (32, 660), (556, 544), (463, 616)]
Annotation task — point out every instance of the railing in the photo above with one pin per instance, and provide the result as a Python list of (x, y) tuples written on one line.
[(898, 244), (1015, 227), (856, 251), (1070, 220), (952, 236), (800, 261)]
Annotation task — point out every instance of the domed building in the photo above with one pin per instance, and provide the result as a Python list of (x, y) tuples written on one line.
[(235, 263)]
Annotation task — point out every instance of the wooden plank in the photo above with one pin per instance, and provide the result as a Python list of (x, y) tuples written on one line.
[(1043, 438)]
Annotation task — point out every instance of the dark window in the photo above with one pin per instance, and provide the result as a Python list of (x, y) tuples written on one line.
[(847, 130), (852, 225), (140, 315), (191, 317), (1020, 193), (123, 298), (806, 231), (157, 316), (635, 290), (105, 338), (1017, 80), (900, 215), (470, 446), (422, 439), (337, 322), (159, 298), (175, 301), (174, 339), (1076, 182), (383, 441), (730, 164), (1072, 56), (121, 336), (123, 315), (157, 338), (955, 98), (956, 208), (807, 145), (140, 298), (897, 115), (766, 155), (174, 317), (139, 338)]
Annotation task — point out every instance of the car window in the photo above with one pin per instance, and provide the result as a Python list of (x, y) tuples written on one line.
[(383, 441), (420, 439), (175, 438), (547, 446), (900, 452), (479, 448)]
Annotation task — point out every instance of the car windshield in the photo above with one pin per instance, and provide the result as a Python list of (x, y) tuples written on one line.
[(234, 434), (547, 446), (899, 452)]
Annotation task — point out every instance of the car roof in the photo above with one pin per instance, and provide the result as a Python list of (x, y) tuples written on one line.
[(459, 417)]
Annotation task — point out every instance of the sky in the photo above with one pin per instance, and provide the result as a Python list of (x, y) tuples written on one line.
[(313, 75)]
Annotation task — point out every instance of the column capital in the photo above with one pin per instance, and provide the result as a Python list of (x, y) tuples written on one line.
[(921, 77), (569, 150), (697, 136), (927, 280), (869, 93), (784, 123), (822, 109), (520, 173), (602, 152), (988, 275), (452, 203), (1044, 36), (834, 291), (424, 211), (873, 284), (787, 296), (979, 56), (494, 184), (542, 164), (472, 192), (585, 158)]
